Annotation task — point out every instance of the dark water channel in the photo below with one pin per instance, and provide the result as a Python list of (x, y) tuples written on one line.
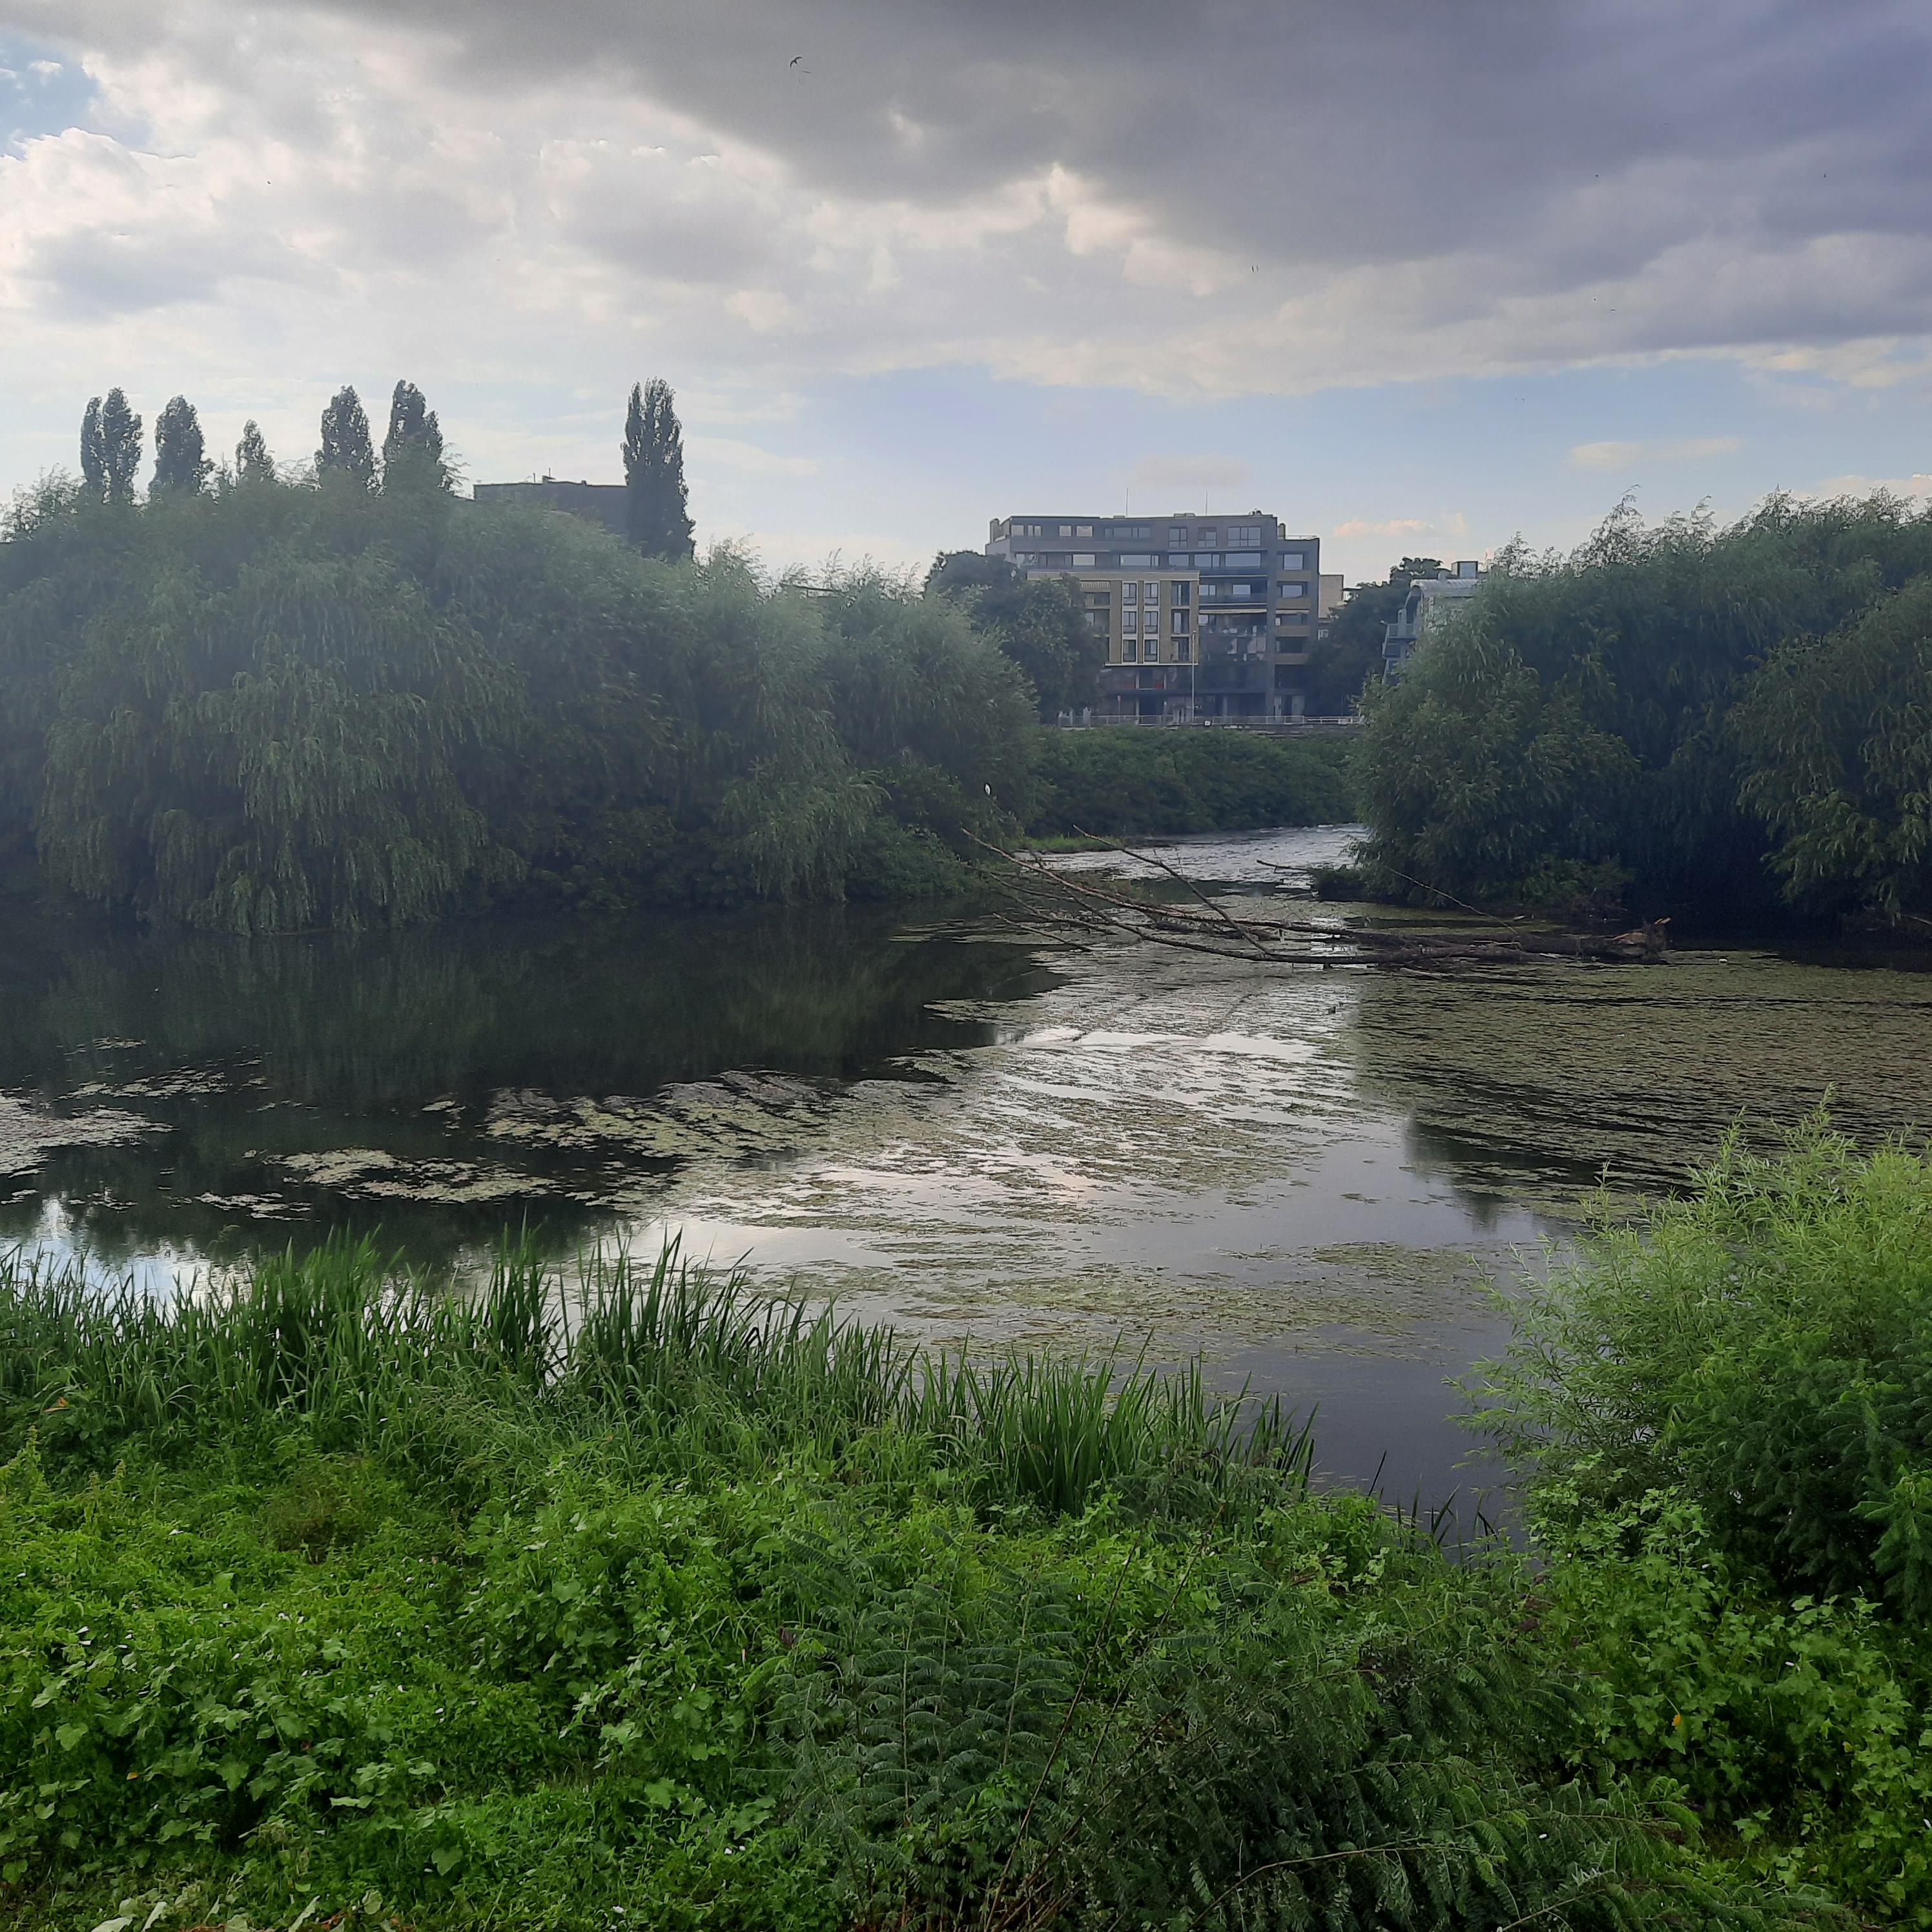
[(1307, 1175)]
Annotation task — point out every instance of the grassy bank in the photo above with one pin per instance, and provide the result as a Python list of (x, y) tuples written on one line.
[(1122, 781), (332, 1595)]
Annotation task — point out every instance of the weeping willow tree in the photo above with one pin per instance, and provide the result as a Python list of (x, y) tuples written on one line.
[(1646, 713), (279, 706), (1836, 737), (277, 753)]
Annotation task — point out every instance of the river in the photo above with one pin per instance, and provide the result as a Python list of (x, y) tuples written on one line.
[(1307, 1175)]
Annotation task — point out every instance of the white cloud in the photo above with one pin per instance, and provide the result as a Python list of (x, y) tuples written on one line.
[(1453, 524), (1628, 455)]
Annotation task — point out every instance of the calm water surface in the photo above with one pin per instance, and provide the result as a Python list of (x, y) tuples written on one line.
[(1307, 1175)]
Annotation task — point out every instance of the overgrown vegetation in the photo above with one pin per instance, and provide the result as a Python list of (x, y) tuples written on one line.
[(1127, 781), (333, 1593), (281, 706), (1717, 718), (1727, 1415), (355, 701)]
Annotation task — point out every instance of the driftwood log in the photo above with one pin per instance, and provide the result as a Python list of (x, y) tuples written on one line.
[(1075, 906)]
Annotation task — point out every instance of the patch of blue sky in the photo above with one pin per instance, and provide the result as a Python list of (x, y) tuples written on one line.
[(1447, 468), (41, 92)]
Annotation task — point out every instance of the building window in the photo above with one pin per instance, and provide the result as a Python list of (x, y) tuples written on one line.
[(1293, 559), (1026, 557), (1130, 593), (1182, 594), (1207, 535), (1206, 560), (1244, 533), (1291, 589), (1142, 562), (1179, 625), (1130, 649), (1083, 559), (1176, 534), (1152, 653), (1251, 560), (1130, 622), (1084, 530), (1180, 650)]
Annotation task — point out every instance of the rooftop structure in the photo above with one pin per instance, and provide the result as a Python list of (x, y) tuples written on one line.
[(1233, 599)]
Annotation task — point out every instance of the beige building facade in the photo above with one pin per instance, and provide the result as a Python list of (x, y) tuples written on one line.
[(1235, 601)]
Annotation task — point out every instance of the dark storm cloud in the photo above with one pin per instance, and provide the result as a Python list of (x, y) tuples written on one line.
[(1356, 130), (1266, 193)]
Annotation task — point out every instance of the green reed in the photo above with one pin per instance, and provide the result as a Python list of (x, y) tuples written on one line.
[(671, 1361)]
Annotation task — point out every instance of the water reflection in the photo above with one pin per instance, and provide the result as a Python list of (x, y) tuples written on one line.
[(187, 1091)]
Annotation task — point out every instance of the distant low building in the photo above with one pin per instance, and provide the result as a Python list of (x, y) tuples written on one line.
[(1430, 600), (1232, 602), (606, 503)]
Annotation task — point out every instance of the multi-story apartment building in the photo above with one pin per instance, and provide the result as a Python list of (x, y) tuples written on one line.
[(1204, 617)]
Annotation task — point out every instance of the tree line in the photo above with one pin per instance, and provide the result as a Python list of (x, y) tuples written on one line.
[(411, 457), (1732, 719), (265, 697)]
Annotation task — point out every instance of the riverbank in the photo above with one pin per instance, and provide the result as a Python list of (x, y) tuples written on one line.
[(331, 1596)]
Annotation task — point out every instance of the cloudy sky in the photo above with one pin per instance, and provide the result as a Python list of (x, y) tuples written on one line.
[(1417, 276)]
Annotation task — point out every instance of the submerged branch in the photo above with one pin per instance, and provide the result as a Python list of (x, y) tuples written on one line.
[(1070, 905)]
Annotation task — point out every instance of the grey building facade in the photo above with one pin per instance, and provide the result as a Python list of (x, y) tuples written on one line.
[(606, 503), (1234, 602)]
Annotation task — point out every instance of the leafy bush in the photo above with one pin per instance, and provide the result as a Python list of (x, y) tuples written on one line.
[(1724, 1410)]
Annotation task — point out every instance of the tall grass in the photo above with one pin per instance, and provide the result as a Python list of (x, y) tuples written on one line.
[(682, 1362)]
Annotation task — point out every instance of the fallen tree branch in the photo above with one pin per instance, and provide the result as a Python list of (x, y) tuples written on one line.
[(1067, 903)]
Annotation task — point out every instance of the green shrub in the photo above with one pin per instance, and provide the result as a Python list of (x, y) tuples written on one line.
[(1723, 1414), (1122, 781)]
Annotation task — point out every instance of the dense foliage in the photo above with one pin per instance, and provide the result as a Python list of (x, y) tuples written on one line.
[(1040, 623), (1709, 715), (1727, 1412), (1127, 782), (279, 706), (330, 1594)]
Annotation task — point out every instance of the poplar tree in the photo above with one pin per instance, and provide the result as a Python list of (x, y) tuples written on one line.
[(181, 463), (412, 450), (253, 463), (346, 449), (659, 523), (110, 449)]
